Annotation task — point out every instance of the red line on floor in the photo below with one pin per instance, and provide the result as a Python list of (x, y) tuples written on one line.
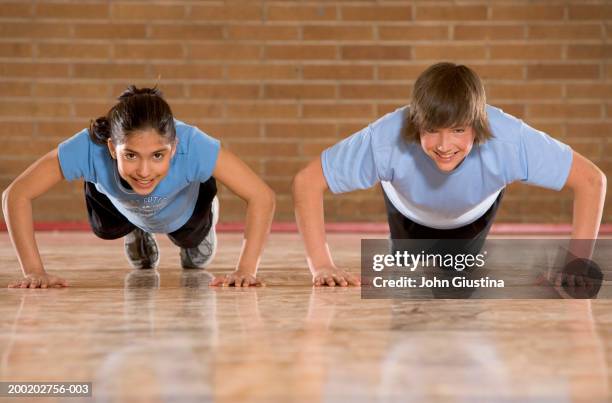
[(343, 227)]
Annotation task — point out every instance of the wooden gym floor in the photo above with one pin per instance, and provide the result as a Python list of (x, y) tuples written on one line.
[(165, 336)]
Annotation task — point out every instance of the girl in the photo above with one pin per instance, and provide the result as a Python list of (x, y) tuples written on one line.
[(443, 163), (144, 172)]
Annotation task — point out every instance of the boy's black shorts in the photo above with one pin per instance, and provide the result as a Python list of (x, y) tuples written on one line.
[(108, 223), (474, 234)]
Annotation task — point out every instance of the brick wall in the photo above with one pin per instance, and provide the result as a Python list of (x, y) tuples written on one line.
[(278, 81)]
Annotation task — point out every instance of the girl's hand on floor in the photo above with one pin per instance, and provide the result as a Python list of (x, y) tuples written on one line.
[(237, 279), (39, 280)]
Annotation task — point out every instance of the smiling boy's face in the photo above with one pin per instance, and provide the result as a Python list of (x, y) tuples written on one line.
[(447, 147), (143, 160)]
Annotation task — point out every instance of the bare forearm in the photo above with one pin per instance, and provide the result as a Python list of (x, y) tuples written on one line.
[(587, 212), (310, 217), (259, 217), (309, 187), (588, 209), (18, 215)]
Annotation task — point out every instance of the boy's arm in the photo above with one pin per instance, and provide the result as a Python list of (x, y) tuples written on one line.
[(17, 208), (309, 187), (589, 186), (241, 180)]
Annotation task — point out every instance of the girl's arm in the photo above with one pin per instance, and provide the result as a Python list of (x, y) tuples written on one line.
[(309, 187), (241, 180), (17, 207)]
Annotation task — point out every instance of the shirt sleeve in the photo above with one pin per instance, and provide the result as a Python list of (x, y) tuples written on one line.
[(203, 152), (351, 164), (546, 161), (74, 156)]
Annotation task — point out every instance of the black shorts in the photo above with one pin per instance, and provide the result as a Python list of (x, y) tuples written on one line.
[(474, 234), (108, 223)]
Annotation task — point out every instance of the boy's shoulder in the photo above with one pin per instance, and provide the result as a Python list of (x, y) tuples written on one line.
[(392, 121), (505, 127), (388, 129)]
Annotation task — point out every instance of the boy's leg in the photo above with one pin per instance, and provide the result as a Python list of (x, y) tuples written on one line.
[(108, 223), (475, 233), (197, 237), (467, 239)]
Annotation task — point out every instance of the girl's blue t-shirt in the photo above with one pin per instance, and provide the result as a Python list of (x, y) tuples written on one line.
[(379, 153), (171, 203)]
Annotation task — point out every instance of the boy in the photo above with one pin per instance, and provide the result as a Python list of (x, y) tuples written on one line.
[(443, 162)]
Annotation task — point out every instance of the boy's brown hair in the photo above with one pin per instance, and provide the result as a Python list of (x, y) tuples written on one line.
[(447, 95)]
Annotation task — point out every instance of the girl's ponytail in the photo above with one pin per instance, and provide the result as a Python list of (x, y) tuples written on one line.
[(100, 130)]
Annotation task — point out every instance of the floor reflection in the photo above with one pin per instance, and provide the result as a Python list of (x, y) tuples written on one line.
[(166, 336)]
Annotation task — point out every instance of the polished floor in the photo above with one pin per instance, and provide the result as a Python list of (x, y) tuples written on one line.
[(165, 336)]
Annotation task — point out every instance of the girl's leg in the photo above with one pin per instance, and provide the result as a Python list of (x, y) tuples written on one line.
[(105, 220), (197, 238), (193, 232), (108, 223)]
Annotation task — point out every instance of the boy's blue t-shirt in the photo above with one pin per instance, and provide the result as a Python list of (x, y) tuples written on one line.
[(173, 200), (379, 153)]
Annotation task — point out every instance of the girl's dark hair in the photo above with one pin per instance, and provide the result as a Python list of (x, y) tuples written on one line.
[(446, 95), (137, 109)]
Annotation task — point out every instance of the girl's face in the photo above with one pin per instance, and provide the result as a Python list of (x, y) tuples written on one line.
[(449, 146), (143, 159)]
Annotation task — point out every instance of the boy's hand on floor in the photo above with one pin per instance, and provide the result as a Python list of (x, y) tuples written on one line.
[(332, 276), (39, 280), (237, 279)]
